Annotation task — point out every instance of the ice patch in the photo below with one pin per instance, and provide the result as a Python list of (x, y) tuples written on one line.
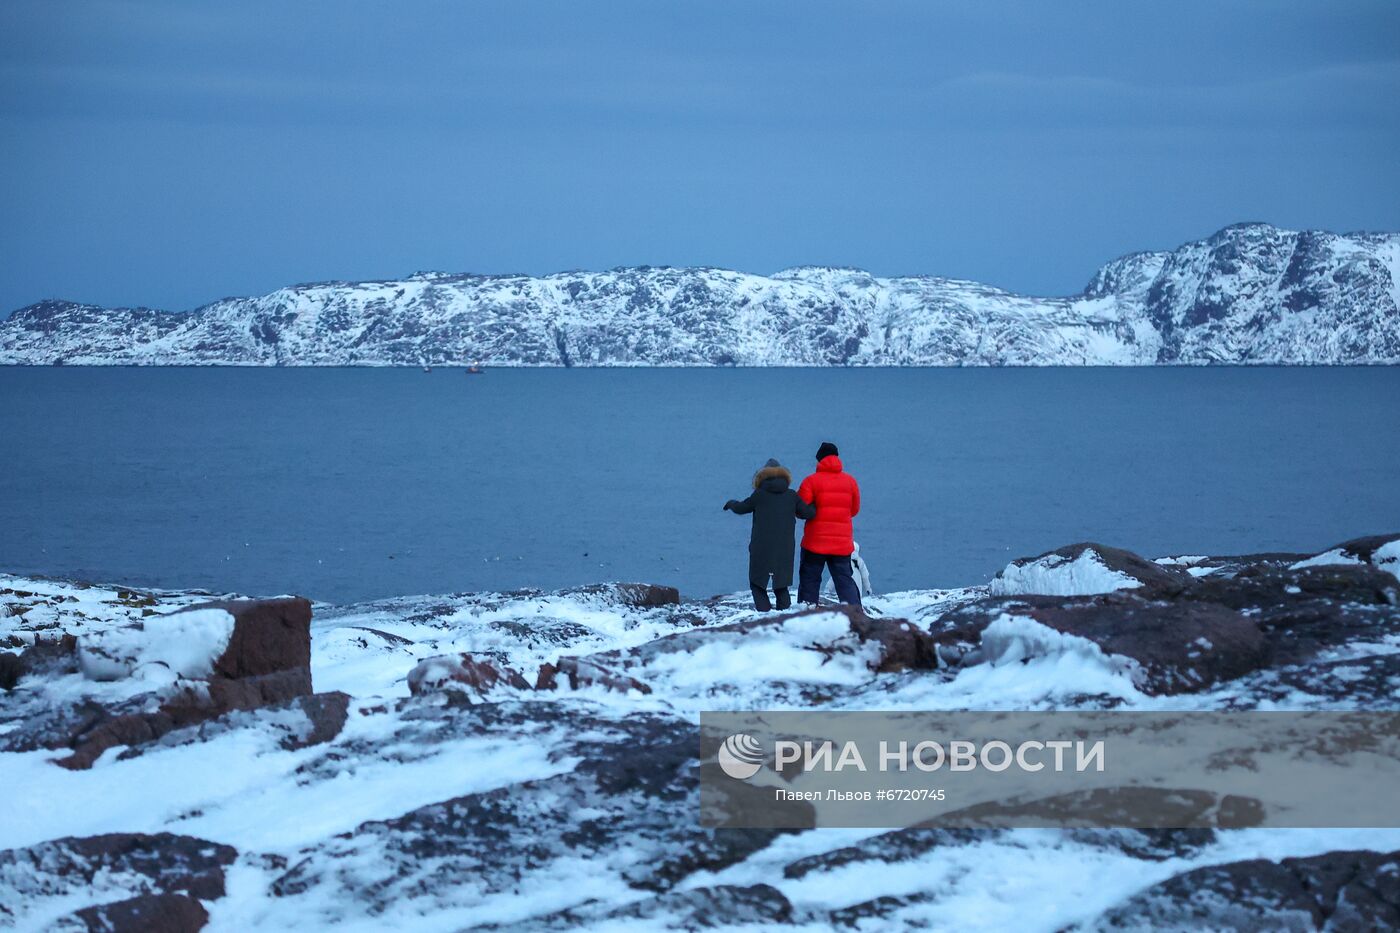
[(1327, 559), (183, 643), (1185, 560), (1056, 575), (1012, 639)]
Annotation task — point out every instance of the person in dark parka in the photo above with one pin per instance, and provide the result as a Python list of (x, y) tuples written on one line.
[(776, 509)]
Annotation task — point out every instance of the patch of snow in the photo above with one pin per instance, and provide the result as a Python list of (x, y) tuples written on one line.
[(1387, 558), (1327, 559), (185, 644), (1185, 560), (1056, 575), (814, 649), (1013, 639)]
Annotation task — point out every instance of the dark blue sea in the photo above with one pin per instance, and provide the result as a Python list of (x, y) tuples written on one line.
[(346, 484)]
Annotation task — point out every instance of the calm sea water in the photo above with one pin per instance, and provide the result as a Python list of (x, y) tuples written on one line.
[(347, 484)]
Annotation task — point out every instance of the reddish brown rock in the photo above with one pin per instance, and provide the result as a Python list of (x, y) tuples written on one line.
[(462, 673), (146, 913), (267, 663), (269, 635), (587, 672)]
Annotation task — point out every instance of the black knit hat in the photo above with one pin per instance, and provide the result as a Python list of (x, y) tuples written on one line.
[(827, 449)]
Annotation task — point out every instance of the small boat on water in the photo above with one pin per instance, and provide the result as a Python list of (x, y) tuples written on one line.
[(474, 370)]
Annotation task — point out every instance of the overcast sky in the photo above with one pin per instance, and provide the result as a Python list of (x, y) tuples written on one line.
[(167, 154)]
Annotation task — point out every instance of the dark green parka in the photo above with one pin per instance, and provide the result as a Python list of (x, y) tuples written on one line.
[(776, 508)]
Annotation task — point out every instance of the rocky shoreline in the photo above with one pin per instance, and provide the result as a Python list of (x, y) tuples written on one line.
[(528, 760)]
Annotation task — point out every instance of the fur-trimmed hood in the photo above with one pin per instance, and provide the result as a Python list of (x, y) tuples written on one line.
[(773, 472)]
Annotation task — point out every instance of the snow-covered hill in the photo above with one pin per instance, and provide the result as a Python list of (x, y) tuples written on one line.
[(1252, 293)]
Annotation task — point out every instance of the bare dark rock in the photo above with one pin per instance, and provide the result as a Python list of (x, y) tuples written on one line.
[(1335, 891), (1148, 807), (269, 635), (1152, 845), (635, 595), (11, 669), (899, 845), (146, 913), (160, 863), (724, 905), (462, 673), (326, 713), (1181, 646)]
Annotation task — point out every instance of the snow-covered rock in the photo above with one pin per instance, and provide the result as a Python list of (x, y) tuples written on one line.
[(1081, 570), (1379, 551), (183, 644), (392, 804), (1251, 293)]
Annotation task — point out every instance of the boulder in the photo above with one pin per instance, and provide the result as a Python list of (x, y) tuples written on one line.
[(1379, 551), (1167, 647), (65, 869), (1086, 569), (1177, 647), (252, 654), (1115, 807), (11, 669), (269, 635), (587, 672), (146, 913), (635, 595), (725, 905), (462, 673), (1334, 891)]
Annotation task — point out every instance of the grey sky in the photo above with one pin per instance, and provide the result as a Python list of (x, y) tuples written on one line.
[(167, 154)]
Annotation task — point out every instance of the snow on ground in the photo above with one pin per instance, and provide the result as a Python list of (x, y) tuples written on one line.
[(284, 808)]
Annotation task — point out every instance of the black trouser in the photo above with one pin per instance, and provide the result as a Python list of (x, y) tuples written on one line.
[(760, 597), (809, 577)]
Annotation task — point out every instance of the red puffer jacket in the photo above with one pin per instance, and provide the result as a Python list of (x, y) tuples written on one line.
[(837, 498)]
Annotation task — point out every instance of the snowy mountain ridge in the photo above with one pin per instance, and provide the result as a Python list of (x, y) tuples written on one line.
[(1250, 294)]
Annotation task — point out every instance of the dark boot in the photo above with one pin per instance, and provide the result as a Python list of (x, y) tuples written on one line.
[(784, 598), (760, 598)]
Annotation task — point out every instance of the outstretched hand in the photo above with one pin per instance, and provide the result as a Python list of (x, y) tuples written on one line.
[(729, 506)]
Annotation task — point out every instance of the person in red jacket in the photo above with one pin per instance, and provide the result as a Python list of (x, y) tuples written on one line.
[(828, 539)]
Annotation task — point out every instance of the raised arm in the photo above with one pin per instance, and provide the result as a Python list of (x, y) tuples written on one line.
[(740, 508)]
